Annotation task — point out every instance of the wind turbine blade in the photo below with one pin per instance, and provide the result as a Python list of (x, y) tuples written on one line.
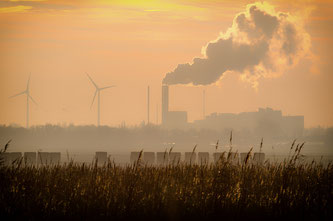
[(93, 99), (92, 81), (15, 95), (33, 100), (107, 87), (28, 83)]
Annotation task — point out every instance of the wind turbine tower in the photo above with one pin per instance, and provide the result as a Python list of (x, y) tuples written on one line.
[(97, 91), (27, 93)]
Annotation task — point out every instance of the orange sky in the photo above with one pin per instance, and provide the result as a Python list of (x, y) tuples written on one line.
[(133, 44)]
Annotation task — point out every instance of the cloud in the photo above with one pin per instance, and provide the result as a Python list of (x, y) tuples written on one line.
[(36, 5), (13, 9), (27, 0), (260, 43)]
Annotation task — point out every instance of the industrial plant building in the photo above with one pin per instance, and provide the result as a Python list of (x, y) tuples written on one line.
[(172, 119), (265, 121)]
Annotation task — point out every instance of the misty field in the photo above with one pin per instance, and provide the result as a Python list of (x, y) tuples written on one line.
[(172, 192)]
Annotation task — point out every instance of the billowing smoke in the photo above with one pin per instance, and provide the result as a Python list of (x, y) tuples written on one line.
[(260, 43)]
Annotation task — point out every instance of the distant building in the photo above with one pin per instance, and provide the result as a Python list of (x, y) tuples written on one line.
[(266, 122), (171, 119), (293, 125)]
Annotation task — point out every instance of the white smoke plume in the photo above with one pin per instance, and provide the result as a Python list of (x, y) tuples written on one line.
[(260, 43)]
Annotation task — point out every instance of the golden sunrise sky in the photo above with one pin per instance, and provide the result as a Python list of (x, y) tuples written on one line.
[(133, 44)]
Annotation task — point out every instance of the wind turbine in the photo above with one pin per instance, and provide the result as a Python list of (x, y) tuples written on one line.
[(98, 90), (26, 92)]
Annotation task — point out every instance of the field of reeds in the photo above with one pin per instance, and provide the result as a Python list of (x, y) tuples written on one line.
[(176, 191)]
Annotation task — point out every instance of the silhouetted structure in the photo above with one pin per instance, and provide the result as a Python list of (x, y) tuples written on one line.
[(165, 103), (243, 157), (149, 157), (11, 157), (259, 158), (26, 92), (171, 119), (30, 158), (101, 157), (98, 93), (217, 156), (43, 158), (203, 157), (55, 157), (190, 157), (266, 122), (233, 157), (162, 158), (134, 157), (148, 103), (174, 157)]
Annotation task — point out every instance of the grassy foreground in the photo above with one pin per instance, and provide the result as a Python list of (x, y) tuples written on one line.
[(172, 192)]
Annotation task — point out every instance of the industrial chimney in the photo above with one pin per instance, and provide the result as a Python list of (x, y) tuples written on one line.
[(165, 103), (148, 100)]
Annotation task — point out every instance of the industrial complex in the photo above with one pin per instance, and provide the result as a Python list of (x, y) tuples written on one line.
[(265, 121)]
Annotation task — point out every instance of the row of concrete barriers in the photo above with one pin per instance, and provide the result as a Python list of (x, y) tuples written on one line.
[(193, 157), (52, 158), (31, 158), (41, 158)]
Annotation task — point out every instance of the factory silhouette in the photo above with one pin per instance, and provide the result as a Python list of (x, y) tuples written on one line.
[(265, 121)]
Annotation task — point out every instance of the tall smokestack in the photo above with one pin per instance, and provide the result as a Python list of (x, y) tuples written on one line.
[(148, 105), (156, 114), (204, 104), (165, 103)]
